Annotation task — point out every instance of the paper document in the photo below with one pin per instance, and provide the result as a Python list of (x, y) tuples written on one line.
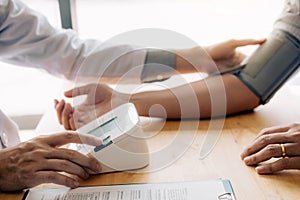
[(195, 190)]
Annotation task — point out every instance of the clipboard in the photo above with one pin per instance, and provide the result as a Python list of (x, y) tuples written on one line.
[(219, 189)]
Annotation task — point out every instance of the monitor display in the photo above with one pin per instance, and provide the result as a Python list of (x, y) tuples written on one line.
[(104, 128)]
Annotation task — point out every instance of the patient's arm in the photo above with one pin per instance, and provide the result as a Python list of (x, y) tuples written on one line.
[(214, 96)]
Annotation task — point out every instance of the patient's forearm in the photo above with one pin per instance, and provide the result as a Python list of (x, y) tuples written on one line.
[(214, 96)]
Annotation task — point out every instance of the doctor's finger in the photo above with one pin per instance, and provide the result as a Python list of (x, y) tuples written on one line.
[(60, 139), (245, 42), (52, 177), (76, 157), (62, 165)]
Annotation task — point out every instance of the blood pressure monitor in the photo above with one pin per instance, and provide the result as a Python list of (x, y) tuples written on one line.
[(271, 64), (124, 145)]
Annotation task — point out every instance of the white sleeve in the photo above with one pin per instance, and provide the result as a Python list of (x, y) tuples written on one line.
[(9, 132), (27, 39)]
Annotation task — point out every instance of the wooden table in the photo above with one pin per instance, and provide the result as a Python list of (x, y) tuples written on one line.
[(222, 162)]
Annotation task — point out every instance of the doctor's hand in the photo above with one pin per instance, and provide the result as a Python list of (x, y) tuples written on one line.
[(99, 100), (225, 54), (275, 142), (41, 161), (213, 58)]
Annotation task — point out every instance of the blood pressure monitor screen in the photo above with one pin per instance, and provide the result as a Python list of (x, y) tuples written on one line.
[(113, 126), (104, 128)]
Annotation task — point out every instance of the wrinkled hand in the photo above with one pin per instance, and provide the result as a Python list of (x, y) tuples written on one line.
[(267, 145), (225, 54), (98, 101), (41, 161)]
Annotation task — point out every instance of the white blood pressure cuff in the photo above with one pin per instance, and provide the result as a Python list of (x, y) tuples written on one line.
[(271, 64)]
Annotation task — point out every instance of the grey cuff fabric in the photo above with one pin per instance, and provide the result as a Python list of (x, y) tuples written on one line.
[(159, 65)]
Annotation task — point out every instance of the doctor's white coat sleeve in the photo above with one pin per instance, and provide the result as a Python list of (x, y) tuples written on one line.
[(9, 132), (27, 39)]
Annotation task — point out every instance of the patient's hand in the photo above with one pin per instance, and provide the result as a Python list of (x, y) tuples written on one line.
[(276, 142), (98, 101)]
